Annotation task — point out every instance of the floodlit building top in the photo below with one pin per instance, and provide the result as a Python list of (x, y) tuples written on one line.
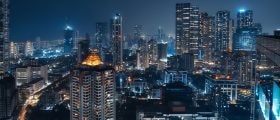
[(92, 60)]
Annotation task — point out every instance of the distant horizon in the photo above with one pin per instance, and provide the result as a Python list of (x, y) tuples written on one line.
[(32, 18)]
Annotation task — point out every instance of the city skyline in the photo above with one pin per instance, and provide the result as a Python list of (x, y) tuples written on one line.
[(82, 15), (139, 60)]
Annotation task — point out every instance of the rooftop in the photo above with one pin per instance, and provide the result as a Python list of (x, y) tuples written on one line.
[(92, 60)]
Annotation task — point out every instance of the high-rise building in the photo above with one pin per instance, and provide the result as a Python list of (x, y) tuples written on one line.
[(137, 35), (187, 29), (28, 48), (117, 41), (13, 50), (4, 37), (162, 51), (207, 28), (68, 39), (245, 39), (152, 51), (245, 36), (93, 90), (223, 29), (244, 19), (102, 35)]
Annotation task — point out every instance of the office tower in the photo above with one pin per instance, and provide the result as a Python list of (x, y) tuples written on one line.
[(186, 62), (244, 19), (7, 98), (162, 51), (152, 51), (29, 73), (187, 29), (28, 48), (223, 29), (4, 37), (93, 90), (13, 50), (207, 28), (137, 35), (117, 42), (68, 39), (102, 35), (245, 39)]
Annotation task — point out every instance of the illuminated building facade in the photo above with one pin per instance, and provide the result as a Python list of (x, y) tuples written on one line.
[(276, 100), (207, 27), (117, 42), (244, 19), (245, 36), (93, 90), (28, 48), (264, 101), (245, 39), (4, 37), (152, 51), (187, 29), (68, 39), (172, 76), (223, 31), (28, 74), (13, 50)]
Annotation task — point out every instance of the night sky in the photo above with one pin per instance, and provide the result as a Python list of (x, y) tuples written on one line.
[(47, 18)]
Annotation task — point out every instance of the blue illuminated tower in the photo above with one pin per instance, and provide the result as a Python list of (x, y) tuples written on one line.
[(68, 39), (276, 100), (245, 36), (244, 19), (245, 40)]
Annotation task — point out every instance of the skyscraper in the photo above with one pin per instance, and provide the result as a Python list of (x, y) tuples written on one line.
[(187, 29), (244, 19), (68, 39), (207, 28), (117, 41), (4, 37), (28, 48), (223, 31), (93, 90), (245, 36), (102, 35)]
